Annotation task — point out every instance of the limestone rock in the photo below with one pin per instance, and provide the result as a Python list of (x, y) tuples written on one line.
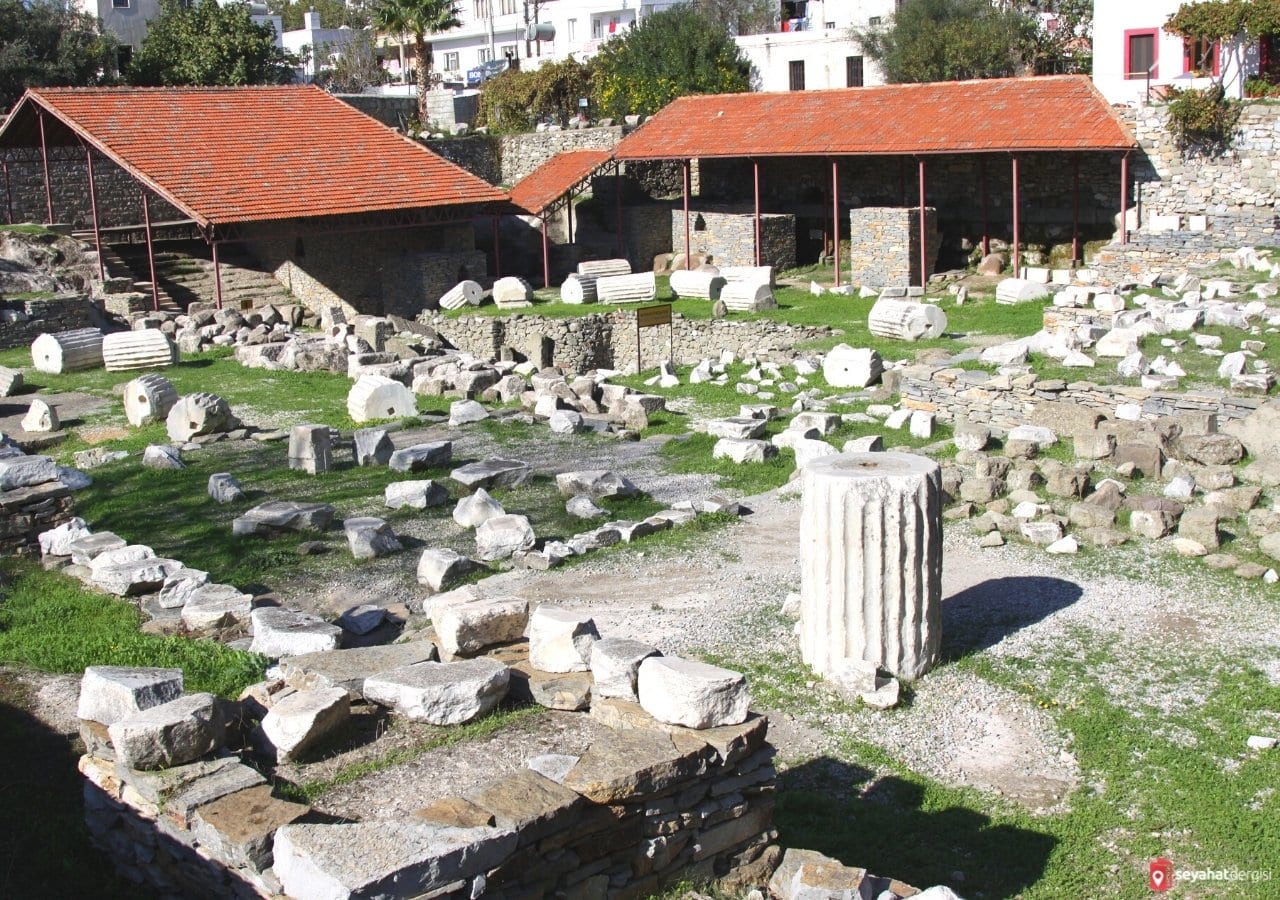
[(111, 693), (1018, 290), (310, 449), (464, 412), (420, 457), (199, 414), (282, 632), (215, 605), (560, 640), (597, 484), (301, 720), (500, 536), (441, 693), (440, 567), (415, 494), (40, 417), (464, 629), (693, 694), (148, 399), (26, 471), (347, 669), (277, 516), (492, 473), (224, 488), (474, 509), (170, 734), (373, 447), (743, 451), (57, 541), (162, 456), (615, 667), (378, 397), (846, 367)]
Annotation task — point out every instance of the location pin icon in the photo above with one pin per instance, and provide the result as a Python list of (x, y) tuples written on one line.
[(1157, 878)]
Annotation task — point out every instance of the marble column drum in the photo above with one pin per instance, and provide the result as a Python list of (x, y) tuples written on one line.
[(871, 562)]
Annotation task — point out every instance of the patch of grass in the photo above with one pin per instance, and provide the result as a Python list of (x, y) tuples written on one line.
[(692, 454), (493, 722), (50, 623), (25, 228)]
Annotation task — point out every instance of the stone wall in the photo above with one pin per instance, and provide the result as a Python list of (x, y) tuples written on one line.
[(728, 236), (884, 245), (388, 109), (394, 272), (508, 158), (27, 511), (1238, 191), (25, 320), (119, 196), (608, 339), (1005, 402), (1172, 251), (645, 806)]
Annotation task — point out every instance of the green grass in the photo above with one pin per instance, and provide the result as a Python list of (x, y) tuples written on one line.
[(50, 623), (491, 723), (25, 228)]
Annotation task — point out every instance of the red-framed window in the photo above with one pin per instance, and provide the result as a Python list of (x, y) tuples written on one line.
[(1141, 52), (1201, 55)]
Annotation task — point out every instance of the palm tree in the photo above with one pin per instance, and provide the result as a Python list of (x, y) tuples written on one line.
[(420, 18)]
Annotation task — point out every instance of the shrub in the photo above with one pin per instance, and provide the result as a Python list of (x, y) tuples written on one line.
[(1203, 119)]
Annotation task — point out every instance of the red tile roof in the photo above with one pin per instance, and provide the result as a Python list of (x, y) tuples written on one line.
[(556, 177), (1012, 114), (225, 155)]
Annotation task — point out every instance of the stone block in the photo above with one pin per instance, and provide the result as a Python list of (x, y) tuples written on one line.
[(694, 694), (441, 693), (560, 640), (111, 693)]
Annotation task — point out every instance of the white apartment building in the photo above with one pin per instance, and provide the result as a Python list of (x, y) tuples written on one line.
[(128, 20), (316, 46), (812, 48), (1135, 59)]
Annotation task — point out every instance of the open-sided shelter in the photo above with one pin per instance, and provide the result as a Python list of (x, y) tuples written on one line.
[(328, 198)]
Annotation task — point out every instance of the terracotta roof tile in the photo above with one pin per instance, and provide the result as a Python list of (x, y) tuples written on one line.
[(556, 177), (1049, 113), (252, 154)]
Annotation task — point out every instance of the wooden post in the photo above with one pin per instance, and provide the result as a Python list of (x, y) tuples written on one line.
[(44, 159), (1017, 265), (755, 169), (688, 260), (151, 253), (93, 210), (924, 250)]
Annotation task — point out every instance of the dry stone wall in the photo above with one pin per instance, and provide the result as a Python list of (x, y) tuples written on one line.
[(729, 237), (25, 512), (956, 395), (119, 196), (884, 245), (25, 320), (608, 340)]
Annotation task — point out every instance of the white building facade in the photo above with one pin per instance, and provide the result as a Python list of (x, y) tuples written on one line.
[(813, 49), (1136, 60)]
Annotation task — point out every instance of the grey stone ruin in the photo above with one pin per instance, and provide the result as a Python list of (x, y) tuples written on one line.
[(871, 563)]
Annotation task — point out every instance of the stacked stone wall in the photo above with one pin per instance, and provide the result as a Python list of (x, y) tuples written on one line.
[(28, 319), (728, 236), (608, 339), (119, 197), (27, 511), (1005, 402), (884, 245)]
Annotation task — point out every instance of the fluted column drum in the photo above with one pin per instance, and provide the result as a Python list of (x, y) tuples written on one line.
[(871, 562)]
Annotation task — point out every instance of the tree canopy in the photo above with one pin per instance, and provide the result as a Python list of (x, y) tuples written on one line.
[(516, 100), (351, 68), (740, 16), (209, 44), (333, 13), (1222, 19), (418, 19), (952, 40), (43, 43), (670, 54)]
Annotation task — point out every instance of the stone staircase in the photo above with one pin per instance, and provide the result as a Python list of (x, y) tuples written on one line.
[(184, 270)]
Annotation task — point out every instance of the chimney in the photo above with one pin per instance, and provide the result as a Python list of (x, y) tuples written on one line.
[(311, 20)]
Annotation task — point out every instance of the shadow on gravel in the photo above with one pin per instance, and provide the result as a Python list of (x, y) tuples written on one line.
[(985, 614), (44, 844), (881, 824)]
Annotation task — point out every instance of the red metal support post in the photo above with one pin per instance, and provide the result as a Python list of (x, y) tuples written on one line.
[(986, 227), (617, 206), (217, 274), (1017, 252), (835, 218), (569, 213), (1075, 212), (924, 234), (688, 260), (546, 256), (44, 160), (93, 210), (151, 253), (1124, 198), (755, 171)]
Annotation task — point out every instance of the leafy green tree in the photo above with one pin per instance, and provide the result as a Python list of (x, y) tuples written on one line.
[(952, 40), (419, 19), (1069, 47), (333, 13), (516, 100), (351, 68), (670, 54), (209, 44), (44, 43), (1231, 22), (740, 16)]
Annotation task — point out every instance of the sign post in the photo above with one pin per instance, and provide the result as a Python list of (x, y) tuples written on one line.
[(648, 317)]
